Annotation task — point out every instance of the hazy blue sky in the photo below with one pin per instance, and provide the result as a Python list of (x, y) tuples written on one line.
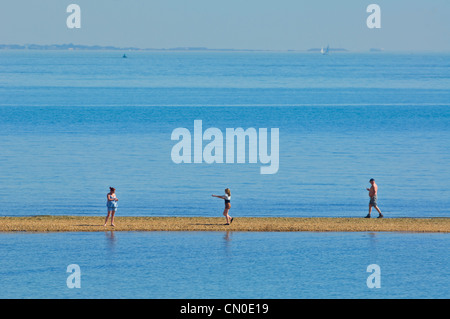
[(413, 25)]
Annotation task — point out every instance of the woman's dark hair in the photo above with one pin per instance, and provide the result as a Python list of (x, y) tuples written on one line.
[(112, 189)]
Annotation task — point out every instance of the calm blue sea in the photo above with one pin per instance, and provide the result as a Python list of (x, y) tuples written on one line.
[(74, 123), (224, 265)]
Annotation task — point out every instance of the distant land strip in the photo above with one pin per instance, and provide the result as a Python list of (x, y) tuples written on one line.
[(71, 46), (50, 223)]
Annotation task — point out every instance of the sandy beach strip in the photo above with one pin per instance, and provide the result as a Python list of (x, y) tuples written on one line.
[(49, 223)]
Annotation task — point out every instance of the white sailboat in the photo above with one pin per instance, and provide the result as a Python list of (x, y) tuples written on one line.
[(324, 52)]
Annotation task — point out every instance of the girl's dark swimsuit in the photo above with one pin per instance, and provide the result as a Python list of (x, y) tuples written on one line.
[(227, 201)]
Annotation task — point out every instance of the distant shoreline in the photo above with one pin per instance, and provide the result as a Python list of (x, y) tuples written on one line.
[(50, 223), (81, 47)]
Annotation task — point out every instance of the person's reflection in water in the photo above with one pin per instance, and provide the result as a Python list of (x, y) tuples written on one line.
[(227, 238), (373, 243), (110, 240), (373, 239)]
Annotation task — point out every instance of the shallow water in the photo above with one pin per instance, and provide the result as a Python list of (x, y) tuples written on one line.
[(74, 123), (224, 265)]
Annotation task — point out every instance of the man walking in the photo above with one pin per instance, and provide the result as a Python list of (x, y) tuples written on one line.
[(373, 198)]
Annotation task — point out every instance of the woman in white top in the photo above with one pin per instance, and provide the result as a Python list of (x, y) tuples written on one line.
[(227, 198)]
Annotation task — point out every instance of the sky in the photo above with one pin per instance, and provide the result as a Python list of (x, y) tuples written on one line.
[(406, 25)]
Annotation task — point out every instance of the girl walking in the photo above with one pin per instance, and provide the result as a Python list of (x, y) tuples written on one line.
[(227, 198)]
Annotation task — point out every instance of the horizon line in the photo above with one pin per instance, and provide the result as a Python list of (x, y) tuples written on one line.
[(93, 47)]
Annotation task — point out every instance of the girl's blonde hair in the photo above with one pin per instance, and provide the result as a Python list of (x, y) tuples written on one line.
[(227, 190)]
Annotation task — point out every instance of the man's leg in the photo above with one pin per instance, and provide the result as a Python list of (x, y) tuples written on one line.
[(370, 210), (379, 211)]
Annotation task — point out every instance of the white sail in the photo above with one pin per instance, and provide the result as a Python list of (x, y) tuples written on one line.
[(324, 52)]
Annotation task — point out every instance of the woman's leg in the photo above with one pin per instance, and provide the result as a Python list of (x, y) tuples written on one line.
[(106, 220), (112, 217)]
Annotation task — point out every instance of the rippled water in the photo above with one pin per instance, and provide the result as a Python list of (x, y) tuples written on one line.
[(74, 123), (223, 265)]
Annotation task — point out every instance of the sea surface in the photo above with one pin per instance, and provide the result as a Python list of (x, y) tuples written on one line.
[(73, 123), (223, 265)]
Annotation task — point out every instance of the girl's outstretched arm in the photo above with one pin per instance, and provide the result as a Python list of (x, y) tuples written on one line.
[(223, 197)]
